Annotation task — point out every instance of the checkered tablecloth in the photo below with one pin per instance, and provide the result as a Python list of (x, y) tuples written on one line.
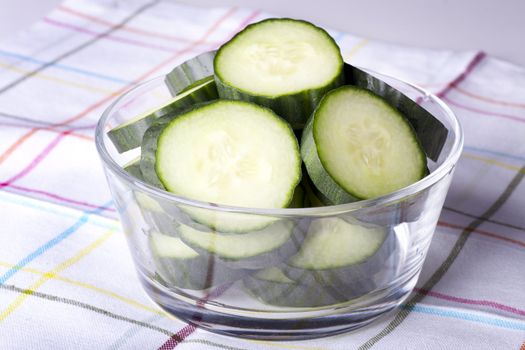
[(66, 278)]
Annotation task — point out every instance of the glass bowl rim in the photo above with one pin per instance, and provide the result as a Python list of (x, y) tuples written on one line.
[(390, 198)]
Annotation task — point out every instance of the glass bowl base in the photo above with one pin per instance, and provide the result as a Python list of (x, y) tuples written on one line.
[(342, 320)]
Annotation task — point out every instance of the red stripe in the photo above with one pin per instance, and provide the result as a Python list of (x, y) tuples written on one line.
[(187, 330), (484, 233), (487, 303), (58, 197), (470, 67), (109, 37), (35, 161), (125, 27), (480, 111)]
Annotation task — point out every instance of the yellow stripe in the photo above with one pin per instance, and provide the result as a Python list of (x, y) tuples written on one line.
[(285, 346), (52, 274), (357, 47), (492, 162), (57, 80), (88, 286)]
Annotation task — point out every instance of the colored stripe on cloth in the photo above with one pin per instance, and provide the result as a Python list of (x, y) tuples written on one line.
[(63, 67), (443, 268), (492, 221), (85, 306), (108, 37), (483, 112), (78, 48), (87, 286), (40, 157), (59, 268), (463, 75), (51, 243), (467, 301), (495, 153), (60, 198), (484, 233), (44, 123), (55, 80), (492, 321), (128, 28), (62, 211), (489, 100)]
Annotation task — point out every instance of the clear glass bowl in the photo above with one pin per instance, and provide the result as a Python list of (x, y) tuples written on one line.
[(224, 295)]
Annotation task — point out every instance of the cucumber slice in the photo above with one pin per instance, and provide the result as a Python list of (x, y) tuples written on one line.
[(133, 168), (189, 73), (229, 152), (299, 198), (129, 135), (273, 287), (178, 265), (253, 250), (281, 63), (148, 151), (356, 145), (348, 258)]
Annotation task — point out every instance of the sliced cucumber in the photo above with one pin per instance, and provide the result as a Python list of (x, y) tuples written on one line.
[(273, 287), (342, 256), (133, 168), (228, 221), (314, 198), (299, 198), (189, 73), (229, 152), (148, 151), (281, 63), (253, 250), (178, 265), (129, 135), (356, 145)]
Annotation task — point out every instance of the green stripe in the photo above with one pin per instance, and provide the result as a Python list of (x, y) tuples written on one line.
[(442, 270)]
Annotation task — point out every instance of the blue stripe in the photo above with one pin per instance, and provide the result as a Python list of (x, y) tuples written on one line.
[(23, 201), (492, 321), (494, 153), (64, 67), (51, 243)]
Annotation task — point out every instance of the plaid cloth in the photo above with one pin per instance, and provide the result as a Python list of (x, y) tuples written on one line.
[(66, 277)]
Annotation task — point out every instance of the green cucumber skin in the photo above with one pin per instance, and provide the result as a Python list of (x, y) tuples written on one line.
[(149, 151), (200, 215), (130, 136), (324, 182), (260, 261), (352, 281), (189, 72), (313, 198), (294, 108), (198, 273), (290, 294), (133, 169), (299, 197), (317, 173)]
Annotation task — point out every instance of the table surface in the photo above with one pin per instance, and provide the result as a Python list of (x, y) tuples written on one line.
[(442, 24)]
